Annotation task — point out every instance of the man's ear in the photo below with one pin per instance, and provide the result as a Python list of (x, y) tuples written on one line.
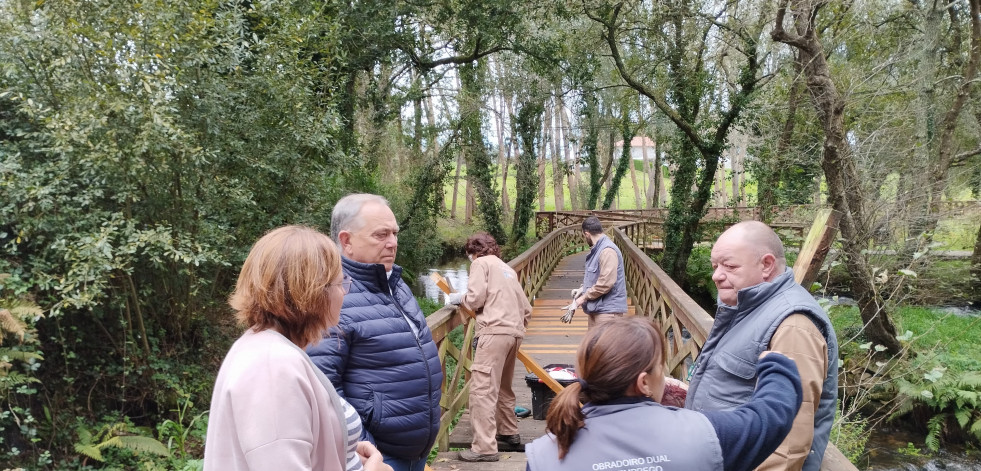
[(769, 263), (345, 238)]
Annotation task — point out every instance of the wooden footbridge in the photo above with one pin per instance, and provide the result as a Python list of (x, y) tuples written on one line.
[(549, 270)]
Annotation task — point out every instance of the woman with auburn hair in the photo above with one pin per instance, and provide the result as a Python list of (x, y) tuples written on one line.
[(623, 426), (271, 407), (503, 310)]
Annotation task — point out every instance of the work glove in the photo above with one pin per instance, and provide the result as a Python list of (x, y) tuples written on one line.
[(454, 299), (570, 311), (576, 292)]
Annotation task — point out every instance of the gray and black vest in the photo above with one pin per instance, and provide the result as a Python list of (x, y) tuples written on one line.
[(725, 370), (638, 435), (615, 300)]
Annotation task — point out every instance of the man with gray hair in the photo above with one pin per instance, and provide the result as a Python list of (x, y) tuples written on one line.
[(381, 357), (603, 294), (761, 308)]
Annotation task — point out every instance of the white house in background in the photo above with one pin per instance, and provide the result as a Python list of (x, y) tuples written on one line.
[(637, 147)]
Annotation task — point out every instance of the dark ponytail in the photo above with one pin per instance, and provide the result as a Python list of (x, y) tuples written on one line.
[(609, 359)]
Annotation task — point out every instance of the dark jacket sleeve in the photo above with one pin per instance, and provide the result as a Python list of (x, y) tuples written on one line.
[(330, 356), (751, 432)]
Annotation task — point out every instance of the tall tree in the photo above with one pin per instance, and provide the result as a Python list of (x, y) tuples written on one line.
[(528, 128), (939, 106), (844, 182), (627, 132), (682, 87), (475, 151)]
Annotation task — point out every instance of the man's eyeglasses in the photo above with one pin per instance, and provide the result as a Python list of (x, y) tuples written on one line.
[(345, 283)]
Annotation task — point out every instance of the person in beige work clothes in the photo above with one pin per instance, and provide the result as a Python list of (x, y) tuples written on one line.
[(503, 311), (603, 294)]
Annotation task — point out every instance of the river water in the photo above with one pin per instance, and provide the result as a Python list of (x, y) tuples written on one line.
[(887, 448), (454, 270)]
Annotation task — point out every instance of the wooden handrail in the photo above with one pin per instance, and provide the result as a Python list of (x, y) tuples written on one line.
[(684, 324)]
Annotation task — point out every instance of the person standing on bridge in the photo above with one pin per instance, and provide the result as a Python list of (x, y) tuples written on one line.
[(623, 426), (761, 307), (603, 294), (381, 356), (503, 311)]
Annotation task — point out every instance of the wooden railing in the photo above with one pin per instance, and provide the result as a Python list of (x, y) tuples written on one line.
[(533, 267), (548, 221), (684, 324)]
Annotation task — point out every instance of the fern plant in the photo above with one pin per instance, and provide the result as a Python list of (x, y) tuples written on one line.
[(116, 436), (951, 399), (19, 352)]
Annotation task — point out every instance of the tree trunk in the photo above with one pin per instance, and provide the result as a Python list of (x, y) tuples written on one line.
[(626, 134), (650, 191), (557, 177), (976, 267), (719, 195), (503, 155), (659, 189), (739, 170), (542, 146), (433, 143), (456, 187), (633, 174), (569, 157), (608, 168), (468, 203), (590, 145), (843, 180), (773, 167)]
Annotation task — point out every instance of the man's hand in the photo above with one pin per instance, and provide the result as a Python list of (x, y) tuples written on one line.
[(454, 299)]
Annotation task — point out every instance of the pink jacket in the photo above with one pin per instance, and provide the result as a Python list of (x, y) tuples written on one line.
[(269, 411), (495, 294)]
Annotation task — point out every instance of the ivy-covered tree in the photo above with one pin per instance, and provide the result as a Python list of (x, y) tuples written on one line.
[(698, 50), (528, 128)]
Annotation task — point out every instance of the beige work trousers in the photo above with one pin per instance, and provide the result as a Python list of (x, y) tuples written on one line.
[(491, 396), (596, 319)]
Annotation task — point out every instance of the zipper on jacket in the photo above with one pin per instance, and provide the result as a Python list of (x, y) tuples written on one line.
[(425, 361)]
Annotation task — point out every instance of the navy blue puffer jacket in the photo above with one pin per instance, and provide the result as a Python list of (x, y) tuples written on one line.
[(378, 364)]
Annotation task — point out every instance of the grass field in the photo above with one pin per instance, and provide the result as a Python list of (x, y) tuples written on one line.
[(938, 336)]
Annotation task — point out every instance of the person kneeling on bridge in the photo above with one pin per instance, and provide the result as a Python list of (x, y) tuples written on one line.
[(503, 311), (622, 425)]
